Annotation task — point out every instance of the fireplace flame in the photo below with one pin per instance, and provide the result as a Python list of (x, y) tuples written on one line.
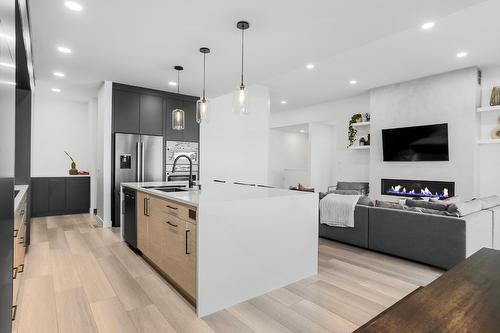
[(425, 192)]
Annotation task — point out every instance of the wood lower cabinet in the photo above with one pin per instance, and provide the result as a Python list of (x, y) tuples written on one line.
[(166, 235)]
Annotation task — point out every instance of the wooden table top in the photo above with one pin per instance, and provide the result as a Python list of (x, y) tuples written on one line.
[(464, 299)]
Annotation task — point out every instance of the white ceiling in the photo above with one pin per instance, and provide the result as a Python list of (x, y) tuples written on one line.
[(374, 42)]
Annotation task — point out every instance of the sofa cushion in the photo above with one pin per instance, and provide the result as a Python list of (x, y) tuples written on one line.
[(346, 192), (490, 202), (358, 186), (388, 204), (425, 204), (465, 208), (446, 202), (366, 201)]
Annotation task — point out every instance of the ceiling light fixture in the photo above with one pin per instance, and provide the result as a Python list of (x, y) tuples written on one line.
[(283, 102), (178, 118), (310, 66), (64, 49), (302, 131), (59, 74), (172, 83), (75, 6), (462, 54), (353, 82), (57, 90), (428, 25), (202, 105), (240, 100), (8, 65)]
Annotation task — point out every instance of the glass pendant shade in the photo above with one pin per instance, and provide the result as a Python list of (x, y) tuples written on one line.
[(240, 101), (178, 119), (202, 110)]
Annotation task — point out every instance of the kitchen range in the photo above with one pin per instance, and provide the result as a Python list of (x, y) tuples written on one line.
[(214, 244)]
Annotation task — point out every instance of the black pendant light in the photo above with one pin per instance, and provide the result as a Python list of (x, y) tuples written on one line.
[(178, 118), (240, 100), (202, 105)]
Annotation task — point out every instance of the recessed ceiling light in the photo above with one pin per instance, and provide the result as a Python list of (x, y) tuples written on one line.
[(310, 66), (283, 102), (63, 49), (57, 90), (8, 65), (353, 82), (428, 25), (172, 83), (302, 131), (462, 54), (4, 36), (58, 74), (73, 5)]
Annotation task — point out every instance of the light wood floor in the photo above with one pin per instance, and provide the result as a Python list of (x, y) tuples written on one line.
[(84, 279)]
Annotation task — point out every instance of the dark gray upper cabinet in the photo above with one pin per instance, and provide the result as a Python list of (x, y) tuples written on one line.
[(126, 111), (192, 129), (151, 115)]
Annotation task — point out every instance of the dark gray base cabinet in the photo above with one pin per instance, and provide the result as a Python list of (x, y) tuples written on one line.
[(60, 196)]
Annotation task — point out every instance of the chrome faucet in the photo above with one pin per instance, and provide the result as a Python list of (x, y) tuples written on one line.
[(191, 183)]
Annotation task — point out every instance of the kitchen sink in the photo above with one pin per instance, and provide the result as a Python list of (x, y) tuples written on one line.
[(171, 189)]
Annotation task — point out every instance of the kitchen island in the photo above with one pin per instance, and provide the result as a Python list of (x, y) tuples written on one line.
[(226, 243)]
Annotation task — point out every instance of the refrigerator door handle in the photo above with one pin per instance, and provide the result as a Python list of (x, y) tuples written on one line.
[(142, 161), (138, 161)]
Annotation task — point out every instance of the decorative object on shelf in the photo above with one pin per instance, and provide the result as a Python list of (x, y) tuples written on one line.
[(495, 97), (178, 118), (367, 143), (240, 98), (357, 118), (202, 105), (362, 141), (367, 117), (73, 170), (495, 133)]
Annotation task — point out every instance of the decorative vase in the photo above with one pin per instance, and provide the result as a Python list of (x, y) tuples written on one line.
[(495, 133), (495, 97), (73, 170), (362, 142)]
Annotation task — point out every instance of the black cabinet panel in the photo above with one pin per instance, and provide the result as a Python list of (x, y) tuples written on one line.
[(77, 195), (39, 196), (151, 119), (130, 231), (60, 195), (192, 129), (126, 111), (57, 195)]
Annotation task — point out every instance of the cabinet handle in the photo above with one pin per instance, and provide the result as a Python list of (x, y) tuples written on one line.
[(22, 212), (173, 225), (145, 205), (21, 268), (16, 231), (149, 206), (14, 276), (14, 312), (21, 240), (174, 208), (187, 242)]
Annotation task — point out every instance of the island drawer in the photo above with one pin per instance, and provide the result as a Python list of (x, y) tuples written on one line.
[(163, 206)]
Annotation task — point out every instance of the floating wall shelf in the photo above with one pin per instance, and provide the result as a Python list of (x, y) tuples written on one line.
[(488, 109), (361, 147), (365, 123), (488, 141)]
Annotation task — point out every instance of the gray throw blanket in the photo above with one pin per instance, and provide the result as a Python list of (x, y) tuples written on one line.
[(337, 210)]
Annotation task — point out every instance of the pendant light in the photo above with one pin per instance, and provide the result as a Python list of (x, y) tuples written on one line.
[(178, 119), (202, 105), (240, 98)]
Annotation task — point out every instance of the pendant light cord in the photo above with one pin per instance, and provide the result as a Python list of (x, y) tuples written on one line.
[(204, 64), (178, 81), (242, 55)]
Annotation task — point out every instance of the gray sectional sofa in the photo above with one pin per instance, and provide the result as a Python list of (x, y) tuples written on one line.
[(437, 240)]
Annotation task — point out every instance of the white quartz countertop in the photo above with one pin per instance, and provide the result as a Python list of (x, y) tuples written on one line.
[(23, 189), (213, 192)]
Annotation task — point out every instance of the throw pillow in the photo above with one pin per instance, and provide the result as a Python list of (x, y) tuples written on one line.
[(366, 201), (388, 204), (490, 202), (346, 192), (465, 208), (363, 188), (425, 205)]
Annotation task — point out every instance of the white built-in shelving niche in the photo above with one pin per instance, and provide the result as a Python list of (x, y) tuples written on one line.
[(489, 117)]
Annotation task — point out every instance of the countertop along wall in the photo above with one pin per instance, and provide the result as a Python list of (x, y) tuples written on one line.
[(447, 98)]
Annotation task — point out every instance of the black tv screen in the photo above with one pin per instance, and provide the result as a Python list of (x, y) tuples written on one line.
[(418, 143)]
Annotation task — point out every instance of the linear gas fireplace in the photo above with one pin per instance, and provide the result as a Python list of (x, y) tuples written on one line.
[(418, 188)]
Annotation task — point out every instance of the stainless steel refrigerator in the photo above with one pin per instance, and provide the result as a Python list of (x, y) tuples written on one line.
[(138, 158)]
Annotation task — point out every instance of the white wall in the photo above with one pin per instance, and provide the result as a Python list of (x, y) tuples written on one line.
[(346, 165), (288, 158), (104, 114), (235, 147), (489, 155), (448, 98), (59, 126), (92, 125)]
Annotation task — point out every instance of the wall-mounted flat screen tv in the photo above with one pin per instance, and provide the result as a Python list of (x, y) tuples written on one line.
[(417, 143)]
